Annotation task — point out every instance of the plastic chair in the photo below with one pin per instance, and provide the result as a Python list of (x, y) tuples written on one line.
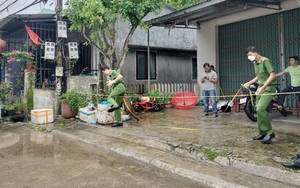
[(237, 105)]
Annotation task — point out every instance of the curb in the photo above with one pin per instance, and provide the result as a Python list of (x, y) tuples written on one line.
[(162, 145), (262, 171), (157, 161)]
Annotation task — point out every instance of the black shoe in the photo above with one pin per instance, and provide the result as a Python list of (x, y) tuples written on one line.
[(117, 124), (259, 137), (113, 108), (268, 138), (293, 164), (283, 112)]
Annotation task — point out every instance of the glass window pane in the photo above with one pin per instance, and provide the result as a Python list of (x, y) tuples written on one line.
[(194, 68), (141, 65), (152, 66)]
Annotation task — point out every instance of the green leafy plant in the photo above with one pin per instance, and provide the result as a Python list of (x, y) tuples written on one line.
[(30, 86), (5, 89), (212, 155), (134, 97), (9, 106), (76, 99), (161, 98), (16, 55), (19, 105), (30, 100)]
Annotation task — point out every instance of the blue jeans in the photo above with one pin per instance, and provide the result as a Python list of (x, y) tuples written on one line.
[(206, 94)]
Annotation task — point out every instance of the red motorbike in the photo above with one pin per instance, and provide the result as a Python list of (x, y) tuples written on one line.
[(147, 105)]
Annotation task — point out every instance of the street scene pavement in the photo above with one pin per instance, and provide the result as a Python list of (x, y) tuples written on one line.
[(214, 152)]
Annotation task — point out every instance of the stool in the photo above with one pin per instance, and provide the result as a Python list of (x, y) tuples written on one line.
[(298, 107)]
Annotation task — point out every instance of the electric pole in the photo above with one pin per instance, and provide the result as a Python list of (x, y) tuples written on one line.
[(59, 60)]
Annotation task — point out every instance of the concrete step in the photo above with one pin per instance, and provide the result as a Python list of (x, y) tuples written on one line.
[(157, 153)]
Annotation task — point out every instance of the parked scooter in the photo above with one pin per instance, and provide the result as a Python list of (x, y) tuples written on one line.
[(250, 102)]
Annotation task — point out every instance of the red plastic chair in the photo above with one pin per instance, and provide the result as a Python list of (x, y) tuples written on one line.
[(237, 105)]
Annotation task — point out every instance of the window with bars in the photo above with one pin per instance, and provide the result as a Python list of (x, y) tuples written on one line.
[(194, 68), (142, 65)]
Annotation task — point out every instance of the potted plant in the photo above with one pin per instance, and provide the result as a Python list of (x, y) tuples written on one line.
[(72, 100), (163, 99), (5, 89), (16, 55), (19, 106), (9, 108)]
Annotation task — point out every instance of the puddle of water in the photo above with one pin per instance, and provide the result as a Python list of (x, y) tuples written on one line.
[(39, 159)]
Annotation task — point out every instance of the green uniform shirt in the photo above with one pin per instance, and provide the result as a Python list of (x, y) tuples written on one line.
[(295, 75), (114, 75), (263, 70)]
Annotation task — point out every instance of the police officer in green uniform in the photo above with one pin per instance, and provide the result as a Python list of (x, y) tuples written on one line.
[(115, 97), (265, 78)]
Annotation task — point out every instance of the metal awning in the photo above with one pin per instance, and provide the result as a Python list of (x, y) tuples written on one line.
[(208, 10), (9, 23)]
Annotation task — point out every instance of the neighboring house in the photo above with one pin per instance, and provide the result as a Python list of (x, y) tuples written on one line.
[(172, 54), (226, 28), (173, 57)]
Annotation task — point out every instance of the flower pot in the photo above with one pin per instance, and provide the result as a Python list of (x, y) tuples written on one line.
[(29, 66), (66, 111), (17, 112), (2, 113), (11, 112)]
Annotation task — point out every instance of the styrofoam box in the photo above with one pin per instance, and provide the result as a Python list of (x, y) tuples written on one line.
[(42, 116), (105, 117), (86, 115)]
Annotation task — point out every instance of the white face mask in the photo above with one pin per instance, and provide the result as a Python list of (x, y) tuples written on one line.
[(251, 57)]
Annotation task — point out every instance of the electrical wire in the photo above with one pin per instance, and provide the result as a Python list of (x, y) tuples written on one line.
[(3, 2), (8, 5), (32, 4), (22, 4)]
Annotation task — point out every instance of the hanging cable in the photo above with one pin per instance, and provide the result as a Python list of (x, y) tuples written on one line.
[(8, 5), (3, 2)]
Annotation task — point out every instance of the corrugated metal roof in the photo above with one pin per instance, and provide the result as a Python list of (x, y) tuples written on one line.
[(192, 17)]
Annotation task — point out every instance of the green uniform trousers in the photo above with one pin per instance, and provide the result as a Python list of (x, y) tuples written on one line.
[(262, 102), (115, 98)]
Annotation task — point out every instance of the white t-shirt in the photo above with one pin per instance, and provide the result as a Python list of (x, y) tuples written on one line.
[(208, 85)]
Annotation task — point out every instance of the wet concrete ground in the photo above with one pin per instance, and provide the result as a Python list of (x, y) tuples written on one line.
[(231, 132), (30, 158)]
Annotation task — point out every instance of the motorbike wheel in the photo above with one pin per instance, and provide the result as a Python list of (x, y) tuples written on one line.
[(156, 108), (250, 111)]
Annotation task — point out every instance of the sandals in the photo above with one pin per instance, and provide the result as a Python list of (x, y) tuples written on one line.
[(212, 116)]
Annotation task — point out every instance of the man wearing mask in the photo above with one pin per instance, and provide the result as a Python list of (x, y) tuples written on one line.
[(265, 77), (115, 97), (209, 79)]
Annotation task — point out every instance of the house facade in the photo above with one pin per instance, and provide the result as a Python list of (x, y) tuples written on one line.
[(226, 28)]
